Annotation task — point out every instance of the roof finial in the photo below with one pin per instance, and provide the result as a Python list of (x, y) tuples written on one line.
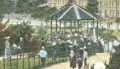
[(71, 2)]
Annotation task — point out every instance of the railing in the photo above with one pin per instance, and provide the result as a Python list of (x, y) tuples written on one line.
[(29, 60)]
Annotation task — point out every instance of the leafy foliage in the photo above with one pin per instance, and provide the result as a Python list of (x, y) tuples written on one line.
[(2, 7), (115, 64), (92, 6), (117, 20), (6, 6), (21, 30), (107, 35), (32, 7), (45, 13), (26, 7)]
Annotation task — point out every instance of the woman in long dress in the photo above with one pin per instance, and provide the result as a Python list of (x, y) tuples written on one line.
[(72, 59), (80, 58)]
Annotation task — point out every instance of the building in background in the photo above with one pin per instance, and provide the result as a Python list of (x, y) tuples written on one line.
[(109, 8)]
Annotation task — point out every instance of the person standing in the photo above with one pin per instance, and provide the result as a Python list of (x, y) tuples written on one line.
[(85, 56), (55, 55), (72, 59), (43, 55), (7, 48), (80, 58)]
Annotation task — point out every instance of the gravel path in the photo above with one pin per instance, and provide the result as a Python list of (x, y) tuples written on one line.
[(64, 65), (104, 57)]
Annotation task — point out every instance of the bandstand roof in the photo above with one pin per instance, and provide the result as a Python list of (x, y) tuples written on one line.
[(72, 12)]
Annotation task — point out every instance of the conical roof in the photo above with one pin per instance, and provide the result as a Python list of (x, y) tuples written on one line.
[(72, 12)]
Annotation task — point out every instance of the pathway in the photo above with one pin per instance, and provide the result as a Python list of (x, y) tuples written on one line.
[(64, 65), (104, 57)]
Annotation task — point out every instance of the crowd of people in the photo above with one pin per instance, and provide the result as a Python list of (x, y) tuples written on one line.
[(78, 58)]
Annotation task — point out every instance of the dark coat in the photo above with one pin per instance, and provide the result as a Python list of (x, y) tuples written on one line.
[(73, 62)]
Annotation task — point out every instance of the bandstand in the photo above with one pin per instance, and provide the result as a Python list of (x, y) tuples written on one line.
[(73, 23)]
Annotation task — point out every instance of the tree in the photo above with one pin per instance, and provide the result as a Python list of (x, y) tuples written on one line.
[(2, 7), (28, 6), (45, 13), (6, 6), (23, 6), (32, 7), (21, 30), (115, 64), (92, 6)]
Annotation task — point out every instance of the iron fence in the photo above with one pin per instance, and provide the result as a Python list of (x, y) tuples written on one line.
[(29, 59)]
